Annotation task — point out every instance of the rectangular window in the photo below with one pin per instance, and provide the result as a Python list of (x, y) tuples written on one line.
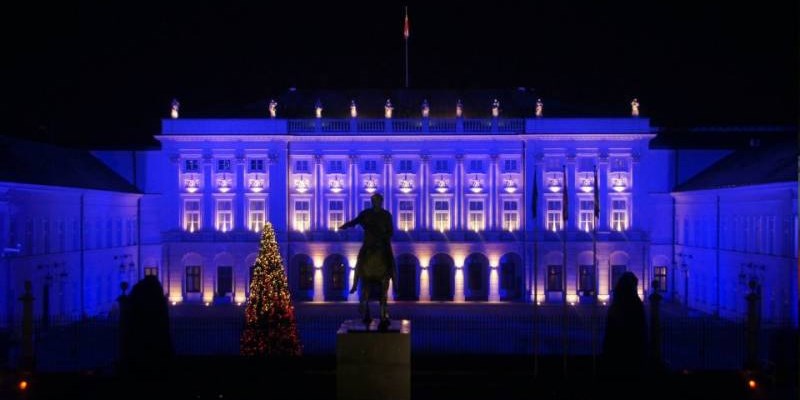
[(586, 217), (660, 274), (335, 214), (335, 166), (256, 165), (510, 216), (224, 165), (405, 166), (619, 215), (151, 271), (224, 215), (302, 216), (616, 273), (554, 280), (191, 215), (587, 280), (476, 219), (191, 166), (554, 222), (370, 166), (510, 166), (406, 221), (193, 279), (476, 166), (257, 215), (440, 166), (301, 166), (441, 215)]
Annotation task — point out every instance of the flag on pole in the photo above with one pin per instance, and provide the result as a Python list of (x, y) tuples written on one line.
[(406, 32), (565, 196), (596, 198)]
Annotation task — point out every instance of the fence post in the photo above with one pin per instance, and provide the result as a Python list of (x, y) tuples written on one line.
[(655, 325), (28, 357), (753, 324)]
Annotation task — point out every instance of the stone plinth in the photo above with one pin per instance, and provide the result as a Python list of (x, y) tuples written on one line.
[(372, 363)]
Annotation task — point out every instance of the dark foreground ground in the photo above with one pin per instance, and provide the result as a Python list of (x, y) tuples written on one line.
[(444, 377)]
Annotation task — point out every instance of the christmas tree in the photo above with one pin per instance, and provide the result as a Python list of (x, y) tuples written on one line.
[(270, 327)]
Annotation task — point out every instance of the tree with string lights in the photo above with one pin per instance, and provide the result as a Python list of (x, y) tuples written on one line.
[(270, 326)]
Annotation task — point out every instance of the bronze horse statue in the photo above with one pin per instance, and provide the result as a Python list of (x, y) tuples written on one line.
[(375, 264)]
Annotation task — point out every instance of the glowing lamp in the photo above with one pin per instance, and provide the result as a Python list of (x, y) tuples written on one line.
[(353, 109), (752, 384), (459, 109), (495, 108), (23, 385), (426, 110), (208, 304), (539, 108)]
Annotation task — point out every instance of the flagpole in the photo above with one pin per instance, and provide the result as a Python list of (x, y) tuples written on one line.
[(406, 35)]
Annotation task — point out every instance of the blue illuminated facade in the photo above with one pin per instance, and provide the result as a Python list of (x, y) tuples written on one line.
[(478, 204)]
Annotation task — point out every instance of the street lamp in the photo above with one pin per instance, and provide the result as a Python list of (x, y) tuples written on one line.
[(685, 268)]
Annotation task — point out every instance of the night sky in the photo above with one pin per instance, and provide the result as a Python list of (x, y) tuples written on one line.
[(101, 74)]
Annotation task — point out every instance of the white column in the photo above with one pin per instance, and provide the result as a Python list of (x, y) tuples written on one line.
[(633, 188), (494, 207), (318, 193), (425, 191), (387, 181), (494, 284), (319, 289), (354, 189), (459, 194), (458, 290), (208, 201), (239, 220), (605, 208), (351, 297), (424, 284), (571, 270)]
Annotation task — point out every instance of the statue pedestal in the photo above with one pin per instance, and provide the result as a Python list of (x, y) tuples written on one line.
[(373, 363)]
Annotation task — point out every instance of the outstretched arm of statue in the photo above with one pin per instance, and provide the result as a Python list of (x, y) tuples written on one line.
[(353, 222)]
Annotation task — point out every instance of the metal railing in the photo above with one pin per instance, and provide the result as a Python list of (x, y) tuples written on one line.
[(412, 125)]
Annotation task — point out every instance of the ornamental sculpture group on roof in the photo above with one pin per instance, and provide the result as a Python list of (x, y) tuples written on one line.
[(388, 108)]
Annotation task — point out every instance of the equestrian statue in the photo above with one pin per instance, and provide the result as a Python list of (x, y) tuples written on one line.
[(375, 265)]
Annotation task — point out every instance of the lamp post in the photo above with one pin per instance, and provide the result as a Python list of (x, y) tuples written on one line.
[(751, 276), (685, 268)]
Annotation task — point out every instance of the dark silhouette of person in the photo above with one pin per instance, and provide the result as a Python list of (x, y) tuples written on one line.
[(148, 337), (623, 358), (375, 263)]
